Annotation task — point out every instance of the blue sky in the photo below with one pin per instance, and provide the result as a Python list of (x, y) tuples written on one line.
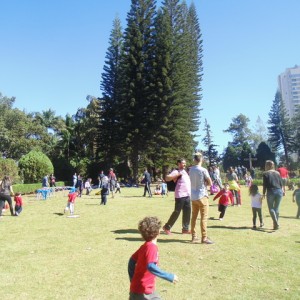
[(52, 54)]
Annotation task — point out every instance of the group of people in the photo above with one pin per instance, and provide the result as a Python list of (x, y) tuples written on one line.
[(6, 193), (191, 197)]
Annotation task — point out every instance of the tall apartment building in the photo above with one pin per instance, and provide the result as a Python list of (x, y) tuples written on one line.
[(289, 86)]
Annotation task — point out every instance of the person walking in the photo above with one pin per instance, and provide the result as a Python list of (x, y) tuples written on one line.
[(234, 187), (284, 174), (6, 191), (225, 198), (296, 198), (112, 179), (273, 188), (199, 180), (182, 198), (147, 181), (256, 204)]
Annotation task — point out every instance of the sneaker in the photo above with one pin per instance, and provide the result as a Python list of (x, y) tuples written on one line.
[(220, 219), (276, 227), (207, 241), (254, 227), (185, 231), (195, 240), (16, 214), (262, 225), (167, 231)]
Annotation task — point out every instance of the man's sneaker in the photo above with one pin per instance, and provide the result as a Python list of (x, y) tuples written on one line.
[(185, 231), (167, 231), (207, 241), (254, 227), (262, 225), (195, 240), (220, 219)]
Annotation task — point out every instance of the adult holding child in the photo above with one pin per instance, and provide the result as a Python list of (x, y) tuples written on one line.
[(273, 188), (6, 191)]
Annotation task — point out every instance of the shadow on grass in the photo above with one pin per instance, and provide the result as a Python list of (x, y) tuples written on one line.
[(59, 214), (229, 227), (122, 231)]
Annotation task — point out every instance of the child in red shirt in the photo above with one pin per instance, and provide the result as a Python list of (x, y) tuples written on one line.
[(226, 197), (71, 202), (19, 203), (142, 266)]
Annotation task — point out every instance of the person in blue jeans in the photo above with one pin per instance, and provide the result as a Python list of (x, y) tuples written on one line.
[(273, 188), (296, 195)]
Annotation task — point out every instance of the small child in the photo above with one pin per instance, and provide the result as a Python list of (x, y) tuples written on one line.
[(157, 190), (87, 186), (296, 195), (256, 203), (142, 266), (104, 190), (71, 202), (248, 179), (226, 197), (118, 188), (19, 203)]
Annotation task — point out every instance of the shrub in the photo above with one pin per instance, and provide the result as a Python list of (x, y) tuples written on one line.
[(9, 167), (34, 166)]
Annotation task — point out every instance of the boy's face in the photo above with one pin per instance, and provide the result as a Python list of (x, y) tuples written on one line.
[(226, 187), (182, 164)]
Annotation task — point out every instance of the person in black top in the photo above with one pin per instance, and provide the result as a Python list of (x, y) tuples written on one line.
[(147, 181), (273, 188)]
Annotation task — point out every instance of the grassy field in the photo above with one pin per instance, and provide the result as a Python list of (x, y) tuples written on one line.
[(46, 255)]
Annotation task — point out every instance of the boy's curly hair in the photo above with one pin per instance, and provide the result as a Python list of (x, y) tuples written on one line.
[(149, 228)]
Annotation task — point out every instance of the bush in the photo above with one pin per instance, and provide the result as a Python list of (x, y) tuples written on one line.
[(9, 167), (34, 166)]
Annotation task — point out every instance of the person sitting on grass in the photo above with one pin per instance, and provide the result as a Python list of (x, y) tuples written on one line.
[(157, 190), (226, 197), (142, 266), (19, 203)]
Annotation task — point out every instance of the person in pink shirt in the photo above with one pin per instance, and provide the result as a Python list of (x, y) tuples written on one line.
[(182, 198)]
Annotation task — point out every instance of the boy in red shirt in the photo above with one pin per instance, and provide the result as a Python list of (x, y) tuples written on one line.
[(226, 197), (142, 266), (71, 202), (19, 203)]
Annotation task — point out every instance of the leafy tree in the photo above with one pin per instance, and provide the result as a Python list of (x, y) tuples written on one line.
[(109, 141), (9, 167), (231, 157), (263, 153), (34, 166), (211, 154), (259, 134), (280, 130), (239, 129)]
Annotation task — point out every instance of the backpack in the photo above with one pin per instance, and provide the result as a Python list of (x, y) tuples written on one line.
[(171, 185)]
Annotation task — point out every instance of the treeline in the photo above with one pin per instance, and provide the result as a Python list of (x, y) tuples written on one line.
[(148, 113)]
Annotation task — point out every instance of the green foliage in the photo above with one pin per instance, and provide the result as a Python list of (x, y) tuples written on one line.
[(9, 167), (34, 166), (32, 187), (281, 135), (263, 153)]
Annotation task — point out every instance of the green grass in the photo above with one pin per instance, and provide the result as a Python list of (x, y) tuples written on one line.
[(46, 255)]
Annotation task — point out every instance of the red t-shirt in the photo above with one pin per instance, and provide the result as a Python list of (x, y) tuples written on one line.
[(18, 200), (143, 282), (72, 197), (284, 173), (225, 197)]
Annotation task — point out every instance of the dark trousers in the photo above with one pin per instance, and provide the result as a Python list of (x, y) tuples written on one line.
[(103, 199), (183, 204), (147, 189), (18, 209), (255, 212), (222, 210), (2, 204)]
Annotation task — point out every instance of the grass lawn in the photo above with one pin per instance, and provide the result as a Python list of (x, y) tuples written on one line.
[(46, 255)]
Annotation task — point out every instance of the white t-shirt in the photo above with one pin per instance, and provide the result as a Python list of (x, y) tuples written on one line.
[(198, 176), (256, 201)]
